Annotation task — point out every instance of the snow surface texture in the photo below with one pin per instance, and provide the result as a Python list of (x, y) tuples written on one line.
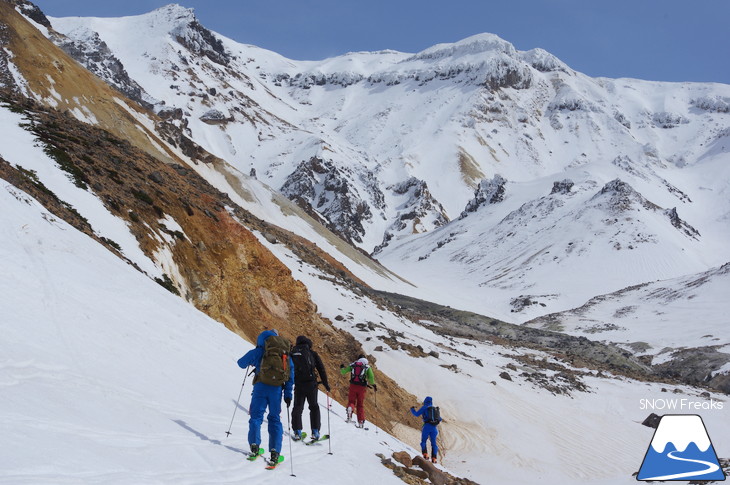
[(108, 378)]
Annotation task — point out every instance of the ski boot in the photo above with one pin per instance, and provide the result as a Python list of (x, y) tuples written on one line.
[(433, 459), (349, 414), (315, 434), (297, 435), (274, 457), (254, 449)]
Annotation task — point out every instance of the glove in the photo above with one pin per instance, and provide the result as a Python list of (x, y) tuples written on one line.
[(342, 366), (287, 400), (375, 386), (412, 408)]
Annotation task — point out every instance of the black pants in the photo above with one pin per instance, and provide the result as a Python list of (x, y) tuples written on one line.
[(305, 391)]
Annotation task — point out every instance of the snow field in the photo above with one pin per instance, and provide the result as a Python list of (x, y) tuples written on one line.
[(108, 378), (498, 430)]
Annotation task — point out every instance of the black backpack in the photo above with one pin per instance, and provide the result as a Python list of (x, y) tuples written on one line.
[(275, 362), (432, 415), (304, 366), (358, 373)]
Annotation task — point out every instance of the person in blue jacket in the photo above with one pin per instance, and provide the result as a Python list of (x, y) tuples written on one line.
[(430, 428), (263, 396)]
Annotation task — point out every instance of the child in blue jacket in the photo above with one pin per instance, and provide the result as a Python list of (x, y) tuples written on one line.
[(430, 428)]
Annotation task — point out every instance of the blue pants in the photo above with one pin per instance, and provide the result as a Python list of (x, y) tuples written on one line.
[(429, 431), (265, 396)]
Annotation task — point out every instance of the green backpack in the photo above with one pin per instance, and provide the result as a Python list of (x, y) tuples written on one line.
[(275, 361)]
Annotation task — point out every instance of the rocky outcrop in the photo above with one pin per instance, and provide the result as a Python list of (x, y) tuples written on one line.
[(215, 117), (489, 191), (87, 48), (713, 104), (202, 42), (418, 212), (319, 186), (562, 187), (32, 11), (617, 196), (426, 473), (698, 366), (680, 224), (6, 78)]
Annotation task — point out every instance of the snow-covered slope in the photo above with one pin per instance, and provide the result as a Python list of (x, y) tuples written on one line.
[(108, 378), (663, 315), (386, 146)]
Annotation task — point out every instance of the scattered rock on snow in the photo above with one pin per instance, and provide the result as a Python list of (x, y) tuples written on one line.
[(652, 421), (403, 458)]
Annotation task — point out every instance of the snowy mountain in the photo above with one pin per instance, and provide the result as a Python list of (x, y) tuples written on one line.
[(492, 185), (387, 147)]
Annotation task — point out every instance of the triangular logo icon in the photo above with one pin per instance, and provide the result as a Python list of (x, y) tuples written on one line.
[(680, 450)]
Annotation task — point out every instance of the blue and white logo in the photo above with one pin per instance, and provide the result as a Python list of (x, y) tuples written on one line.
[(680, 450)]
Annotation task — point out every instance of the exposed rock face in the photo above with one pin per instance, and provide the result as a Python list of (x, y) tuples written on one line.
[(317, 185), (201, 41), (714, 104), (698, 366), (489, 191), (680, 224), (419, 211), (6, 79), (214, 117), (562, 187), (618, 197), (93, 53), (32, 12)]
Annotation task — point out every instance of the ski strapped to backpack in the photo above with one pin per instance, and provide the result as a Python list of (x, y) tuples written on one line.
[(275, 362), (358, 373), (432, 415)]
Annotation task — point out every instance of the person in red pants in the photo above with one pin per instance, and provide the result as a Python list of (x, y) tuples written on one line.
[(361, 377)]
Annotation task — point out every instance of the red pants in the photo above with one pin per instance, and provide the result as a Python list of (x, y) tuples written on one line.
[(356, 400)]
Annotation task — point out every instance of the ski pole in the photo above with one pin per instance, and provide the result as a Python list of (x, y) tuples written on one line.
[(376, 410), (329, 441), (228, 433), (288, 429)]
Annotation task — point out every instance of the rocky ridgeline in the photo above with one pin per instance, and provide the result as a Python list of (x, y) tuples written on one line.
[(320, 187), (489, 191), (91, 52)]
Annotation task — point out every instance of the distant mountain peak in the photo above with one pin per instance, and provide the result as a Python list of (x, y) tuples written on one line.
[(174, 13), (619, 196), (476, 44)]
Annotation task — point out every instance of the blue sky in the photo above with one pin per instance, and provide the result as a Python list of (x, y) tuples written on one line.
[(663, 40)]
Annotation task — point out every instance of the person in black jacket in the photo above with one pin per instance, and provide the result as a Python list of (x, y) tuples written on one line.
[(307, 365)]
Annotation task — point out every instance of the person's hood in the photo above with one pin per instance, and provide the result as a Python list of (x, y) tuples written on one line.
[(302, 340), (263, 336), (428, 401), (363, 360)]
